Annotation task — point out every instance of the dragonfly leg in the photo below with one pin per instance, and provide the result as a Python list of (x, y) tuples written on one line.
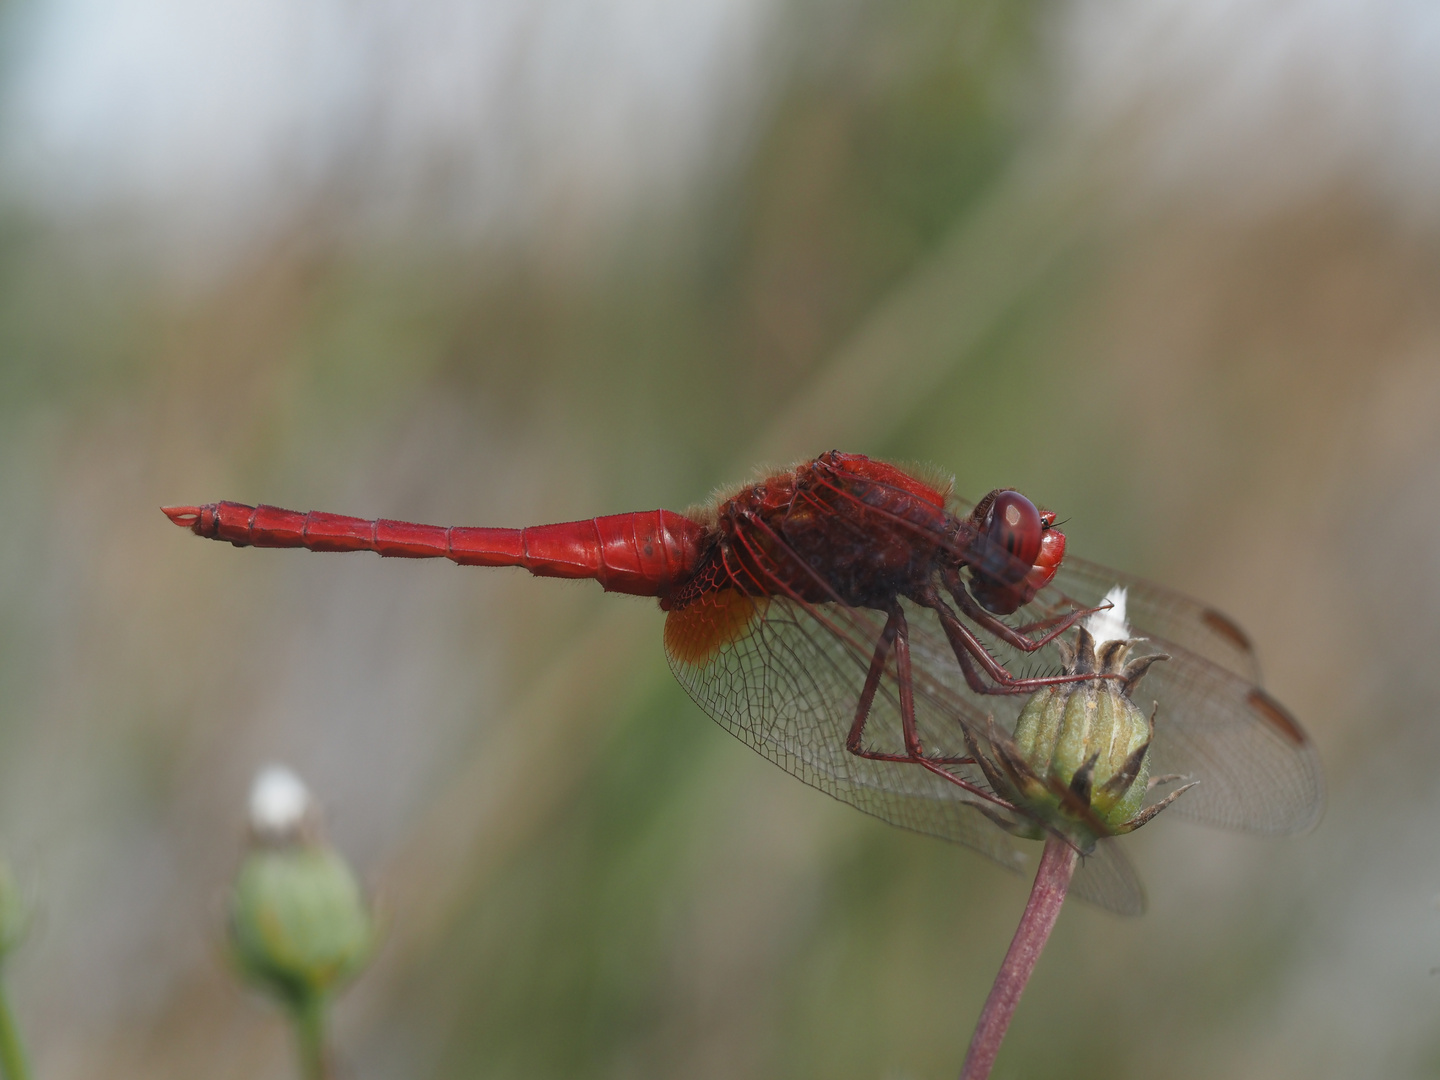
[(1051, 620), (872, 680), (1016, 636), (896, 636), (907, 685), (974, 658)]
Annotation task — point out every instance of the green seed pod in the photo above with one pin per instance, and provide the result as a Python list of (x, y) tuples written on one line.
[(1079, 759), (1065, 729)]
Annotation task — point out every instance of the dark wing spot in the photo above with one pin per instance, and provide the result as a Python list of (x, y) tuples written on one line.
[(1222, 625), (1274, 714)]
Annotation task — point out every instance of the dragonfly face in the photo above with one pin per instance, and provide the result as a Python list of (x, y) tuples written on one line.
[(1016, 552)]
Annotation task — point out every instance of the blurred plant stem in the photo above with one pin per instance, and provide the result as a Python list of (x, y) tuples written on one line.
[(14, 923), (13, 1065), (310, 1023), (1052, 878)]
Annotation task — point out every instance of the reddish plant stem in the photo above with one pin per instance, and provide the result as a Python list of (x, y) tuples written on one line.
[(1052, 878)]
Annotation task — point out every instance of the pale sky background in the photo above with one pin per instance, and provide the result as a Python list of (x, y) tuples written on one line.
[(217, 122)]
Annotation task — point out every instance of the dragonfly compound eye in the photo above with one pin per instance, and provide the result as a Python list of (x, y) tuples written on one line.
[(1013, 530)]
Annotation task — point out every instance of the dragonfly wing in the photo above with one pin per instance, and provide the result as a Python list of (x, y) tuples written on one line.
[(1170, 619), (1107, 879), (1256, 767), (788, 685)]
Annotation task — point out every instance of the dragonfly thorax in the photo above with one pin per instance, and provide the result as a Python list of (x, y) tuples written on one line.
[(832, 531)]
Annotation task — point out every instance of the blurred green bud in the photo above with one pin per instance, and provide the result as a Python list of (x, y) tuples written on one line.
[(299, 925), (14, 912)]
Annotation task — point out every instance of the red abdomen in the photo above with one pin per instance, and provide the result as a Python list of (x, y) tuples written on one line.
[(647, 553)]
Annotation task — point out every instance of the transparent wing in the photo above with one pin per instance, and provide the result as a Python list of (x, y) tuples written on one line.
[(1257, 768), (787, 683), (1107, 879), (1168, 618)]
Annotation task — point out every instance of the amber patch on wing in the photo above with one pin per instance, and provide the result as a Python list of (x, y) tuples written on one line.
[(696, 632), (1274, 714)]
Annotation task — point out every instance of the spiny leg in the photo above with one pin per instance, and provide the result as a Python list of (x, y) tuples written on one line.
[(1006, 633), (907, 686), (872, 680), (896, 635), (970, 651)]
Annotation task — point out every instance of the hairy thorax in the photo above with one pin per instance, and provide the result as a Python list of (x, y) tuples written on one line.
[(841, 527)]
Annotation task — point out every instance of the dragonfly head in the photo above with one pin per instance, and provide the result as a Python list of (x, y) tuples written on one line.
[(1016, 552)]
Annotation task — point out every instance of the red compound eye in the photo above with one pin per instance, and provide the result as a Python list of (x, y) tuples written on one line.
[(1013, 525), (998, 579)]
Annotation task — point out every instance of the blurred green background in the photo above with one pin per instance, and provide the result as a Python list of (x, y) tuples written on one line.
[(1173, 271)]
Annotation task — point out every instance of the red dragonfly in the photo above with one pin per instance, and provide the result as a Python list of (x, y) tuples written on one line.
[(860, 627)]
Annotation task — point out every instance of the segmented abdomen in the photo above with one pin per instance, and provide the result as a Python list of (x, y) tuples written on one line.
[(646, 553)]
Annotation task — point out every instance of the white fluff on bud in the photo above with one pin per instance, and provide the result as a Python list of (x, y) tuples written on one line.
[(279, 801), (1111, 624)]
